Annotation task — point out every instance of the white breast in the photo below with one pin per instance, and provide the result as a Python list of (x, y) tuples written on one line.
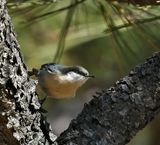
[(61, 86)]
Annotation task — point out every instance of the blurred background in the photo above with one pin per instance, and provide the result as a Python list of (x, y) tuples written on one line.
[(107, 37)]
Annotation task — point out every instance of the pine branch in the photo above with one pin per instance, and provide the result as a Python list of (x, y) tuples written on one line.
[(137, 22), (140, 2)]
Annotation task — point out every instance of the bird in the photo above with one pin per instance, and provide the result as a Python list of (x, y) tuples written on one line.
[(61, 81)]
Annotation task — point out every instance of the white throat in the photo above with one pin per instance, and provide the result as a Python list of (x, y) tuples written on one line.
[(72, 77)]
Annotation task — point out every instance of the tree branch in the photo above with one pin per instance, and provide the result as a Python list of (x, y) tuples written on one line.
[(115, 115), (136, 21), (58, 10), (140, 2)]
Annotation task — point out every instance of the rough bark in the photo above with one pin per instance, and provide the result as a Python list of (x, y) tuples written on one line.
[(115, 115), (20, 119)]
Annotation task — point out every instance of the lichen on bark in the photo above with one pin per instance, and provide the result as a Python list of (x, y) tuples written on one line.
[(19, 111)]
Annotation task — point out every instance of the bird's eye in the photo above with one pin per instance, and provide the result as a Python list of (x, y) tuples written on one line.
[(82, 73)]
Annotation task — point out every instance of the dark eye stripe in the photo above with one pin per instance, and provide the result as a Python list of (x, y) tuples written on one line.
[(76, 70), (82, 73), (49, 69), (79, 72)]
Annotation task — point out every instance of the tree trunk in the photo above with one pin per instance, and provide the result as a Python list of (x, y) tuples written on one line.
[(113, 117), (20, 119)]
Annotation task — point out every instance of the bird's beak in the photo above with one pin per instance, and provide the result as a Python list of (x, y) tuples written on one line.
[(90, 76)]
